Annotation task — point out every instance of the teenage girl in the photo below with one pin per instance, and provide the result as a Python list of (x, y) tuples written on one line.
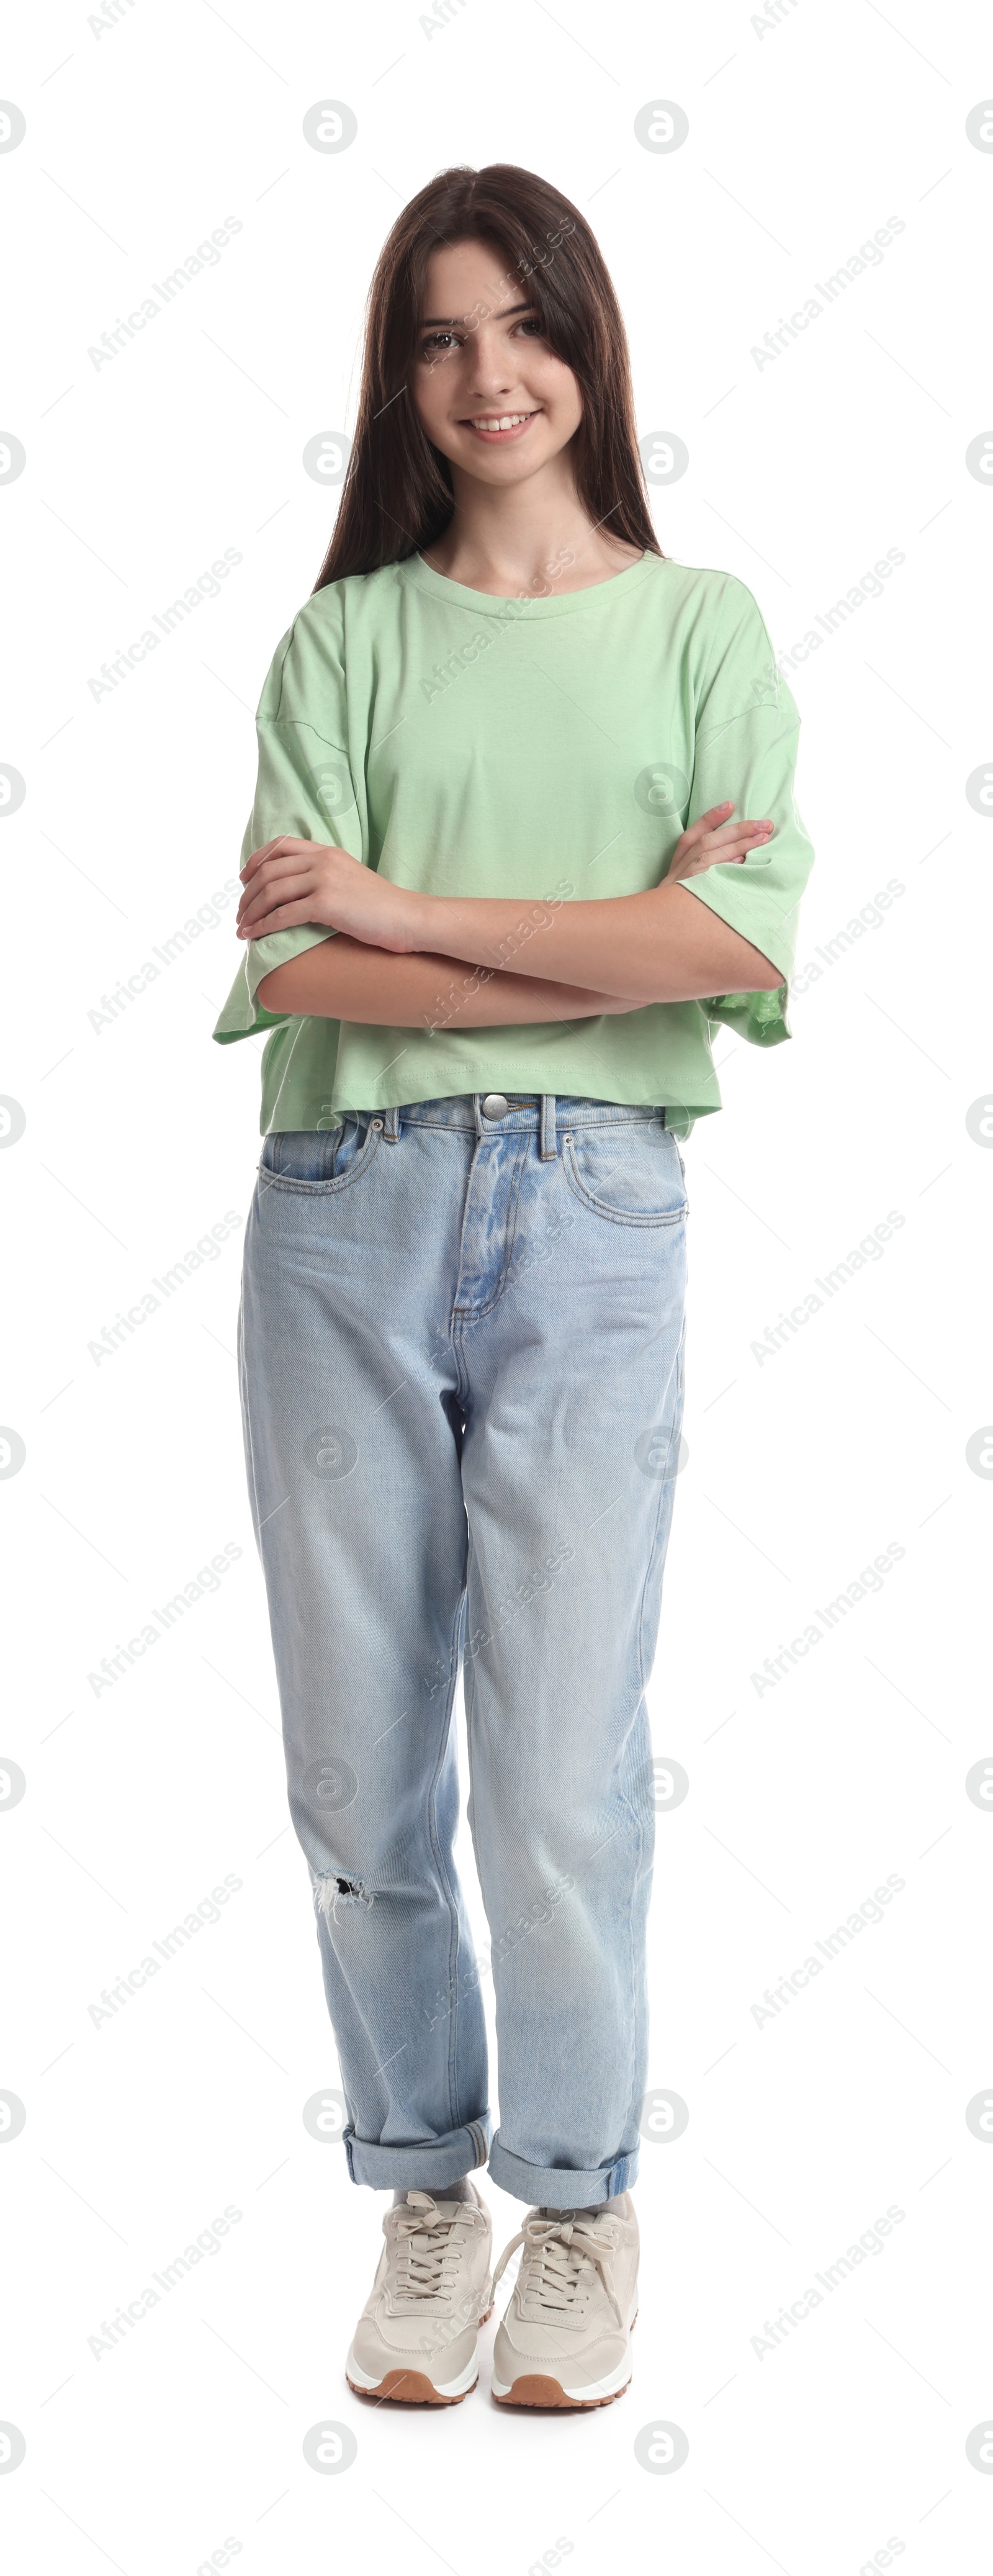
[(524, 830)]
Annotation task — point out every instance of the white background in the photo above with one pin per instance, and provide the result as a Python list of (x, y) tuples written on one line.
[(805, 133)]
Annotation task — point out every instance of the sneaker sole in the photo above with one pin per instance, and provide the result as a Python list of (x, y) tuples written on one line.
[(548, 2393), (413, 2387), (537, 2388)]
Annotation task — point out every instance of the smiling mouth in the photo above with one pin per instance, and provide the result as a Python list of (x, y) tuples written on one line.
[(500, 425)]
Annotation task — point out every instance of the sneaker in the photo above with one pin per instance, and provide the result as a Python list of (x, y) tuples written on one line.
[(416, 2337), (565, 2339)]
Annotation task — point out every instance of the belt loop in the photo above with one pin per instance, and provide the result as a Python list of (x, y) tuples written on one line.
[(391, 1125), (477, 1101), (549, 1145)]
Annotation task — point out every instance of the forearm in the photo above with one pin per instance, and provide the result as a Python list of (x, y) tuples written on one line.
[(344, 980), (663, 946)]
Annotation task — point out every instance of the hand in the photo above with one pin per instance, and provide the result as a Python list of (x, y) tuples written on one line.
[(287, 882), (710, 840)]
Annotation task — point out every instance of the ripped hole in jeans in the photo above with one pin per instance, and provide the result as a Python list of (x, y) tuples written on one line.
[(333, 1893)]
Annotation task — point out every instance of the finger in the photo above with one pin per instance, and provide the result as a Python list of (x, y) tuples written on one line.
[(707, 822), (712, 852), (292, 890), (268, 850), (734, 830), (288, 917), (745, 837), (256, 858), (274, 872), (716, 853), (271, 883)]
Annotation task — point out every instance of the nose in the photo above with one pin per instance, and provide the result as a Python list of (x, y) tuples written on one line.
[(490, 368)]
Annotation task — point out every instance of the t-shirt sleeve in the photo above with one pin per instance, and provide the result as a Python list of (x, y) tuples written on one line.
[(304, 787), (747, 725)]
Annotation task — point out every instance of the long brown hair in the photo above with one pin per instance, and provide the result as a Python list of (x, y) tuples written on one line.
[(397, 495)]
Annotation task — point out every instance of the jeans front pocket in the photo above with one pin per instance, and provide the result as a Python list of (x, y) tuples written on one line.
[(319, 1162), (628, 1172)]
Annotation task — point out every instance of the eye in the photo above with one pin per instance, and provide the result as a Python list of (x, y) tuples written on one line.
[(436, 341), (532, 322)]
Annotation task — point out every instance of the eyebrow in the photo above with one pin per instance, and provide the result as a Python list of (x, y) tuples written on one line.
[(449, 321)]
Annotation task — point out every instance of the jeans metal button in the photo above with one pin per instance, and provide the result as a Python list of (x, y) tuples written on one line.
[(494, 1105)]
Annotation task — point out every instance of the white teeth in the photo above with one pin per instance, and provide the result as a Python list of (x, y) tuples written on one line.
[(509, 420)]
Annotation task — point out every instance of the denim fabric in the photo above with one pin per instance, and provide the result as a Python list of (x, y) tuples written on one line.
[(462, 1379)]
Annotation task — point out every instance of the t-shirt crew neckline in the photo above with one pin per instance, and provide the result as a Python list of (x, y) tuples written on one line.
[(484, 603)]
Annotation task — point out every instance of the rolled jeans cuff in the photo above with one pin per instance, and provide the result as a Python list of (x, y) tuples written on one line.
[(425, 2167), (558, 2186)]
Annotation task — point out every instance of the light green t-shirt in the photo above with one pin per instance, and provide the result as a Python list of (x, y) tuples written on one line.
[(553, 747)]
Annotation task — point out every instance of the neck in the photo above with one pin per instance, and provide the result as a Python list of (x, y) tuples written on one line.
[(534, 537)]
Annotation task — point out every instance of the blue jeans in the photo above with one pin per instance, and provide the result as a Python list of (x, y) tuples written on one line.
[(462, 1379)]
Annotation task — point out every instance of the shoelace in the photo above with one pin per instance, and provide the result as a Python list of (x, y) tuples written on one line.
[(556, 2252), (424, 2249)]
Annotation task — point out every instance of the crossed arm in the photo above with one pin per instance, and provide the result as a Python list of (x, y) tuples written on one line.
[(403, 958)]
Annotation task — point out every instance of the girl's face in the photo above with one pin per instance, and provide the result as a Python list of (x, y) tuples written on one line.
[(491, 393)]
